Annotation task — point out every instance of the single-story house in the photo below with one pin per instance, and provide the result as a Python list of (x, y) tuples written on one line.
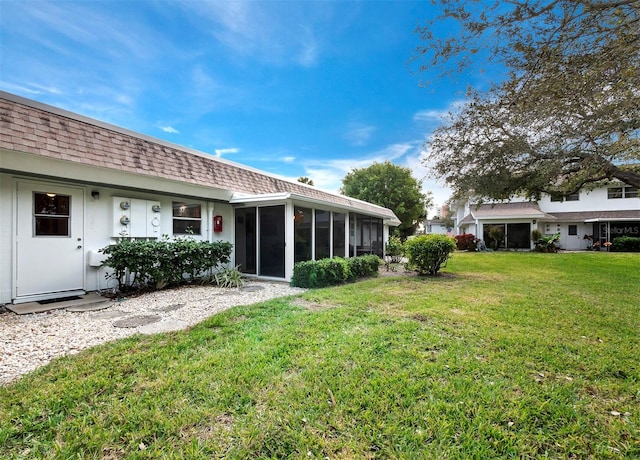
[(71, 185), (582, 219)]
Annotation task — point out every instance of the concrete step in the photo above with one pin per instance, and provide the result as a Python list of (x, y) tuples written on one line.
[(87, 302)]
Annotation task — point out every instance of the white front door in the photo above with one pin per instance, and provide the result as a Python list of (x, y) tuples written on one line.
[(49, 242)]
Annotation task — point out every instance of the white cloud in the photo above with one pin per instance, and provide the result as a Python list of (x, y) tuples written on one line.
[(359, 134), (220, 152), (429, 115), (169, 129), (433, 115), (270, 32), (289, 159), (441, 193)]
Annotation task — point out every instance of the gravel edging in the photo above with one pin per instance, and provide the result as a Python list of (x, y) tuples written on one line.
[(31, 341)]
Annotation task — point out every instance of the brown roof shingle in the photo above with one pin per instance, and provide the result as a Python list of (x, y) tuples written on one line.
[(31, 127)]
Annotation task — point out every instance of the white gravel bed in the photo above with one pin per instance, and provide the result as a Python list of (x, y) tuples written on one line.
[(31, 341)]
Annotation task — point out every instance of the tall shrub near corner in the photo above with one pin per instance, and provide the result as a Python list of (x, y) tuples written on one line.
[(428, 253)]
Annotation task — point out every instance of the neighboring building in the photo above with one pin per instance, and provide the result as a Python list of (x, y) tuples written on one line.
[(440, 226), (581, 219), (71, 185)]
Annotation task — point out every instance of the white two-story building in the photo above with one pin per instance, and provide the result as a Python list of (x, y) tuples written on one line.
[(582, 219)]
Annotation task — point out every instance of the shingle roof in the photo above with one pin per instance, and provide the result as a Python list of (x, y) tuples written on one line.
[(515, 210), (596, 215), (31, 127)]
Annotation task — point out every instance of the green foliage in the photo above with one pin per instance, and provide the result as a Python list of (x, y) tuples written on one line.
[(330, 272), (363, 266), (392, 187), (428, 253), (528, 133), (626, 244), (536, 235), (320, 273), (305, 180), (547, 243), (496, 235), (394, 249), (229, 277), (485, 364), (157, 263), (466, 242)]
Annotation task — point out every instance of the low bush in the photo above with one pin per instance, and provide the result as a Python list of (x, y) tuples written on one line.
[(428, 253), (394, 250), (626, 244), (363, 266), (228, 277), (547, 243), (158, 263), (466, 242), (320, 273), (330, 272)]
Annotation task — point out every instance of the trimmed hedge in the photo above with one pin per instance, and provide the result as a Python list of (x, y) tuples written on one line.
[(158, 263), (330, 272), (428, 253), (466, 242), (626, 244)]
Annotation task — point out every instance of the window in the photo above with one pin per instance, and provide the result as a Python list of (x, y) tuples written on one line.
[(51, 214), (573, 229), (622, 192), (339, 233), (303, 233), (323, 225), (570, 197), (614, 192), (187, 218)]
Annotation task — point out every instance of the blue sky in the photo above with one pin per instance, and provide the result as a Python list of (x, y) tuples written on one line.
[(297, 88)]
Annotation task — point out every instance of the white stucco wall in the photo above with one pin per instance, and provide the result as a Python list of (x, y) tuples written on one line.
[(594, 200), (98, 229), (6, 225)]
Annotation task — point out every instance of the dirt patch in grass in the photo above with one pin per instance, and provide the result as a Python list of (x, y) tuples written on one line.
[(311, 305)]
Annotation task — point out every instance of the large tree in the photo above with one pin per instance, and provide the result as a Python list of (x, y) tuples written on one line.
[(566, 114), (393, 187)]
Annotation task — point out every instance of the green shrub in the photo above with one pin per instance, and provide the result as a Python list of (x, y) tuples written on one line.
[(536, 235), (428, 253), (320, 273), (363, 266), (228, 278), (394, 250), (329, 272), (626, 244), (157, 263), (547, 243)]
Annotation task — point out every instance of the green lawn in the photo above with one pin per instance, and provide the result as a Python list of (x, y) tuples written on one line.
[(519, 355)]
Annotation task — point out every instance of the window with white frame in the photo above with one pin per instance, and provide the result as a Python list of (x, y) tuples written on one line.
[(622, 192), (570, 197), (187, 218)]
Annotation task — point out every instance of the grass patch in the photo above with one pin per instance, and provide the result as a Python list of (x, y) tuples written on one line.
[(505, 355)]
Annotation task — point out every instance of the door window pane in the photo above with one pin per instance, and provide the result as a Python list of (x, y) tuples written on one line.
[(51, 214), (322, 234), (302, 234), (272, 252), (338, 234), (246, 240)]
